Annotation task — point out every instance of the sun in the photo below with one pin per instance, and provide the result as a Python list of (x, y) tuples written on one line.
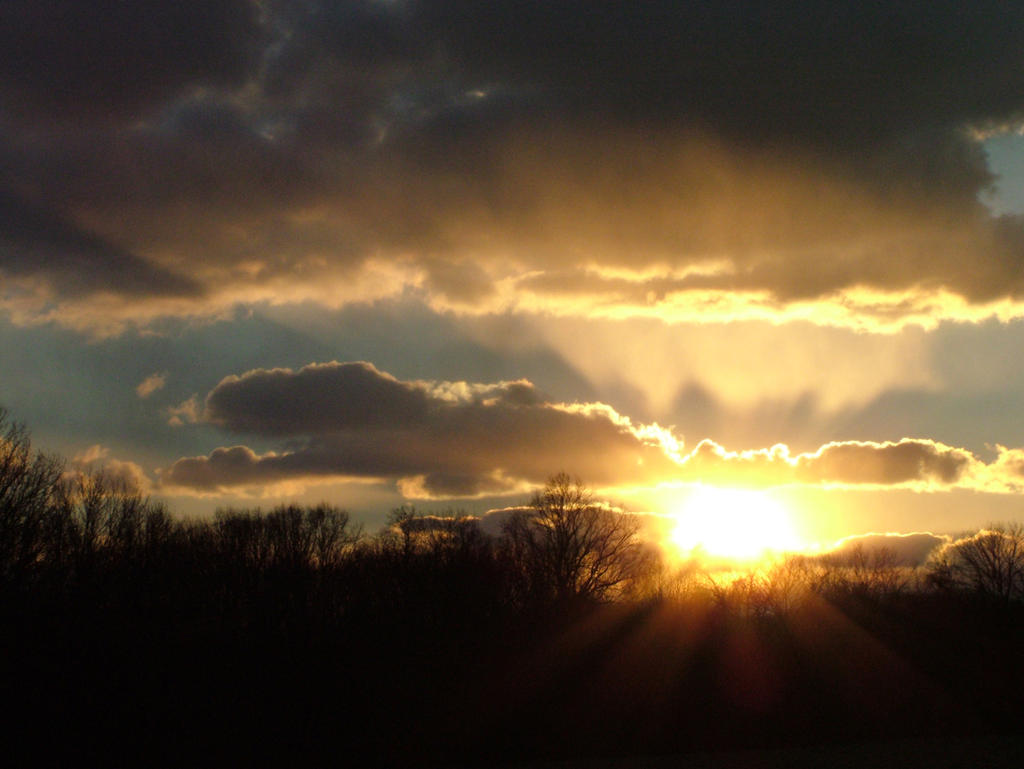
[(733, 524)]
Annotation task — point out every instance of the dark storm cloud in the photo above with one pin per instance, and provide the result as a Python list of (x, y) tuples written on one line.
[(436, 438), (36, 243), (576, 156), (844, 71), (315, 399), (838, 72), (108, 58), (886, 83)]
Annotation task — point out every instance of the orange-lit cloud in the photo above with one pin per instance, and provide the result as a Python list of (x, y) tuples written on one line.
[(124, 474), (151, 384), (752, 238), (913, 462)]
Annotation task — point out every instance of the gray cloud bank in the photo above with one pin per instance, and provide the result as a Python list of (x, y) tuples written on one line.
[(437, 439), (459, 439), (586, 157)]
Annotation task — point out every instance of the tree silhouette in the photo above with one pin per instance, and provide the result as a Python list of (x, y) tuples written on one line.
[(989, 564), (28, 482), (568, 546)]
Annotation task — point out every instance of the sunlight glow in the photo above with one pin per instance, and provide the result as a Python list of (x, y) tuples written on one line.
[(735, 524)]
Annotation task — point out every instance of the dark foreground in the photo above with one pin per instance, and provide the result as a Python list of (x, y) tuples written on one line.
[(411, 685), (997, 752)]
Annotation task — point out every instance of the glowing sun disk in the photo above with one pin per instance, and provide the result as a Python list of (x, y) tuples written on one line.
[(738, 524)]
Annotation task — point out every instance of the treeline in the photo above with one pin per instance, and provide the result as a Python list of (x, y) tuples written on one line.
[(128, 634)]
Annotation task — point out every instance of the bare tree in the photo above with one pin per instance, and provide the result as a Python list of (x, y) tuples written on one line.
[(873, 573), (399, 534), (289, 536), (27, 483), (98, 519), (26, 476), (332, 535), (242, 538), (568, 546), (989, 563)]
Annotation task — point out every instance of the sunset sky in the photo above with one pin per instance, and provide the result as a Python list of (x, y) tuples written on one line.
[(385, 251)]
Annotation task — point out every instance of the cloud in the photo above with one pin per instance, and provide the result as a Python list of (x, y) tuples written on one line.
[(151, 384), (493, 521), (1008, 468), (67, 260), (911, 549), (317, 398), (109, 58), (189, 411), (127, 475), (438, 439), (904, 461), (802, 160), (918, 463)]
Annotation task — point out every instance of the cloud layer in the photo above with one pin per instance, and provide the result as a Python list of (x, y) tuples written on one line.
[(681, 160), (436, 438), (458, 439)]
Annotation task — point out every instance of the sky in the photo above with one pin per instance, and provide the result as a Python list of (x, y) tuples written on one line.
[(434, 252)]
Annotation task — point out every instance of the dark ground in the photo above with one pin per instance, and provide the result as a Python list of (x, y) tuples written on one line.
[(995, 752)]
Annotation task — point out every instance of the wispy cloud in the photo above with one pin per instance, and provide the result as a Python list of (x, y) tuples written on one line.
[(189, 411), (151, 384)]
